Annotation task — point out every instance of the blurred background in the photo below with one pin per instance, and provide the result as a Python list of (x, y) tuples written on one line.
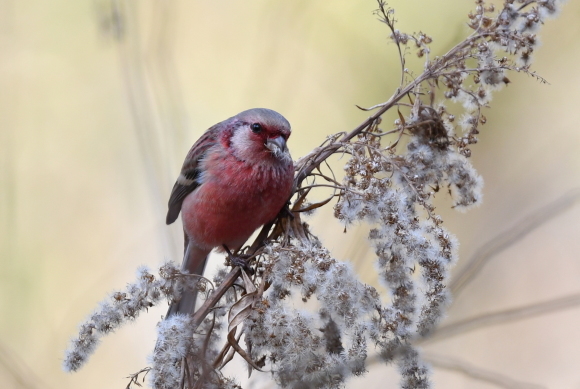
[(101, 100)]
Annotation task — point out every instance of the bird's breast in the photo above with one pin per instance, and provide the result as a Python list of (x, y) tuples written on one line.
[(234, 199)]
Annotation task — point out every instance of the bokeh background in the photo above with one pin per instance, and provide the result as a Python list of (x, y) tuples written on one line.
[(100, 100)]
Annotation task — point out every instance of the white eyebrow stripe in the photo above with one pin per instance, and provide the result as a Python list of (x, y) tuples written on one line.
[(182, 180)]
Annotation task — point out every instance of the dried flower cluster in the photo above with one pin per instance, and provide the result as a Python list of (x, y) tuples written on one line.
[(126, 306), (390, 180)]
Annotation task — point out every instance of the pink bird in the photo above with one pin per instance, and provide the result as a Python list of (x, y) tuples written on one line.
[(235, 178)]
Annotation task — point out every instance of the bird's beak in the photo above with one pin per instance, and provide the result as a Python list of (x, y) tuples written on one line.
[(276, 145)]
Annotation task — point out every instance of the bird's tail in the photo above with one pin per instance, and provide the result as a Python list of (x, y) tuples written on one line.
[(194, 261)]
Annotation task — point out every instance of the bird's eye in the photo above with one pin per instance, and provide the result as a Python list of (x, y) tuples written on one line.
[(256, 128)]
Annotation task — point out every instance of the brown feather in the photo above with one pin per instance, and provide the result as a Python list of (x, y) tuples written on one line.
[(190, 170)]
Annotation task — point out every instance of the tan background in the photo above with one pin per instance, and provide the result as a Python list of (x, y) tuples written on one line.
[(97, 112)]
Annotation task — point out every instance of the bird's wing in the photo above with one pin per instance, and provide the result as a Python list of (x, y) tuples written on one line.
[(187, 180)]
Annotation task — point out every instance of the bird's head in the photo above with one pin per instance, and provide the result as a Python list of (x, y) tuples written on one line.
[(259, 135)]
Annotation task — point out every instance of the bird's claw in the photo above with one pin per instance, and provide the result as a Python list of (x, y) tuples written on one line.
[(286, 212), (241, 260)]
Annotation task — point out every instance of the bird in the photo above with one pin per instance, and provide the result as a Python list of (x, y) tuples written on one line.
[(236, 177)]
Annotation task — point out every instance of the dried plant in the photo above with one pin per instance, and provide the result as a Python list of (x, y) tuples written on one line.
[(391, 176)]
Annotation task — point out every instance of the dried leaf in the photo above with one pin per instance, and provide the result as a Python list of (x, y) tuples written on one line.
[(240, 350), (238, 313), (315, 205), (298, 203), (362, 108), (402, 118), (243, 307)]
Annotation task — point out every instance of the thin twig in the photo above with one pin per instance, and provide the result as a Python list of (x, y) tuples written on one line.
[(506, 239), (502, 317), (215, 297), (477, 373), (316, 157), (390, 22)]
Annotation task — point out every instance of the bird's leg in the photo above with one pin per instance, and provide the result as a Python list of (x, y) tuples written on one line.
[(241, 260), (286, 212)]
